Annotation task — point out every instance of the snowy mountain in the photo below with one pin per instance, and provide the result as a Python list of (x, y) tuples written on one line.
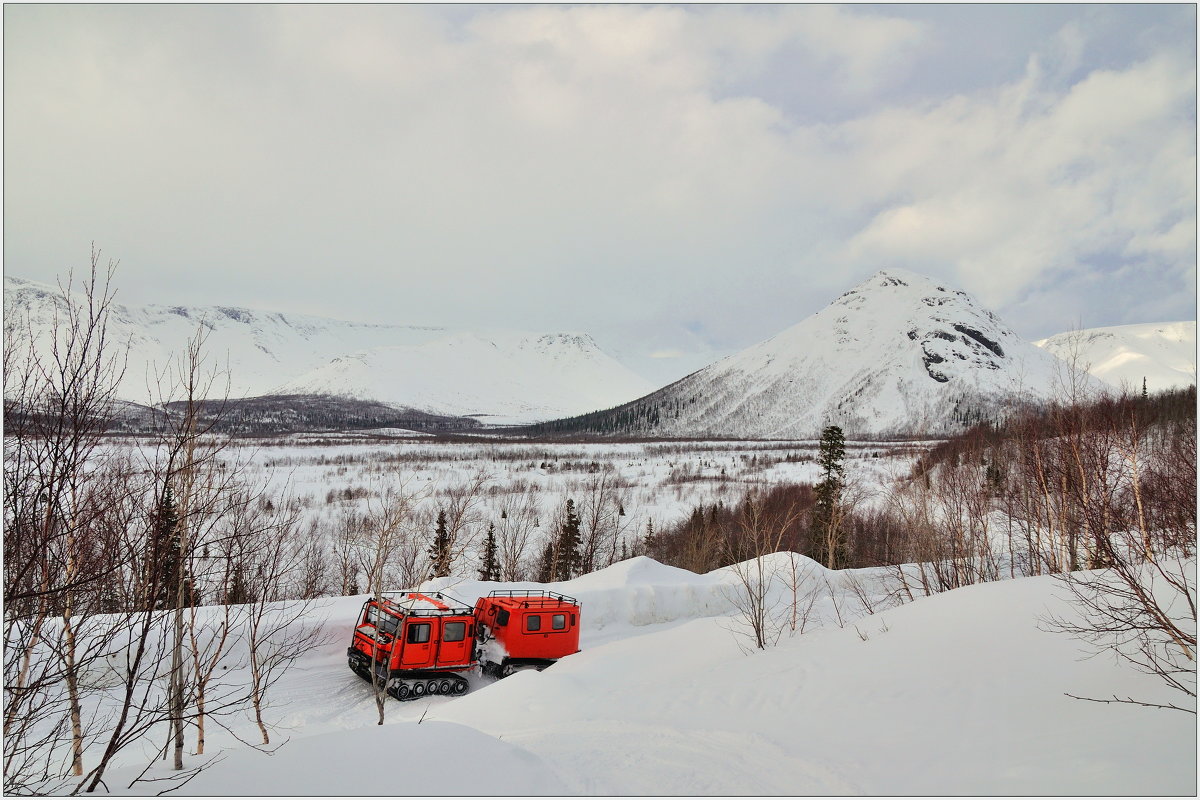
[(899, 353), (1164, 354), (507, 375), (498, 376)]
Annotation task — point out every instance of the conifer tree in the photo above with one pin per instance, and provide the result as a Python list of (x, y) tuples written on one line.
[(546, 567), (164, 559), (439, 550), (569, 559), (239, 592), (490, 568), (828, 538)]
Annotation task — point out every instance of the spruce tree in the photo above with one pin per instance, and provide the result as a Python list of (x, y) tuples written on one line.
[(439, 549), (164, 559), (546, 567), (828, 539), (490, 568), (238, 593), (568, 561)]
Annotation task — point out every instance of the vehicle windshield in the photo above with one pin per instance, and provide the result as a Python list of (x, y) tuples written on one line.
[(386, 623)]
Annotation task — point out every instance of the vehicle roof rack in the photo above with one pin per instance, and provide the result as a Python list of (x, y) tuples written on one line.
[(450, 605), (533, 596)]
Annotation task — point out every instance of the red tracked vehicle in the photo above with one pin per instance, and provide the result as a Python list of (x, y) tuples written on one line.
[(421, 644), (525, 629), (418, 644)]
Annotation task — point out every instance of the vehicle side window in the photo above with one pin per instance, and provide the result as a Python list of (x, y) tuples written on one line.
[(454, 632), (533, 622), (418, 633), (559, 622), (502, 618)]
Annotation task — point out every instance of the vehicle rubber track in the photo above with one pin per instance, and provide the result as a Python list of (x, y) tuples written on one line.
[(417, 686)]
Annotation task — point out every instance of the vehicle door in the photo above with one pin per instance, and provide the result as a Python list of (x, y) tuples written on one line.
[(457, 640), (418, 643)]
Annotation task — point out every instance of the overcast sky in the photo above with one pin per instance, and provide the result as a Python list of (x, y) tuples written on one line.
[(677, 181)]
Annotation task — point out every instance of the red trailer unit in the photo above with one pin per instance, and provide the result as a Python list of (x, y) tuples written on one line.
[(525, 629), (416, 643)]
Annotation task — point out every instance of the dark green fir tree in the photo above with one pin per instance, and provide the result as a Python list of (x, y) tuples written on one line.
[(489, 569), (439, 550)]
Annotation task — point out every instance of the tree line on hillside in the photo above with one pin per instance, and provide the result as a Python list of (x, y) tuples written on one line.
[(1099, 491), (275, 415), (1073, 468)]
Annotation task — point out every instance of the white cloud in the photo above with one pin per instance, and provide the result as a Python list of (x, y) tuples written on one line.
[(611, 168), (1003, 190)]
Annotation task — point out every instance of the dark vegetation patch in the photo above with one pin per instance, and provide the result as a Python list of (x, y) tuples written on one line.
[(274, 415)]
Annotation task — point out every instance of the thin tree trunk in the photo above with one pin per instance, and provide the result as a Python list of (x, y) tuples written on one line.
[(72, 680)]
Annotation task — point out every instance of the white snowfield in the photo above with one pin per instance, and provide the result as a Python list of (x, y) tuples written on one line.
[(502, 375), (958, 693), (1163, 354)]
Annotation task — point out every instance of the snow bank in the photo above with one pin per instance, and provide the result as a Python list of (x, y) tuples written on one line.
[(959, 693), (432, 759)]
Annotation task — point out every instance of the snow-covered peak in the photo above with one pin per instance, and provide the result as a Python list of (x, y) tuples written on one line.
[(898, 354)]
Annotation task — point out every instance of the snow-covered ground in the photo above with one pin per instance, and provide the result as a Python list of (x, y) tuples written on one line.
[(655, 484), (958, 693)]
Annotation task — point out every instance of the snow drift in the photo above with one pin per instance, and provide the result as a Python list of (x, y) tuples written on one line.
[(958, 693)]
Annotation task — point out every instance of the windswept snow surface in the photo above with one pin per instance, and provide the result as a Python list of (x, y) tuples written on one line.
[(501, 375), (959, 693), (1163, 354)]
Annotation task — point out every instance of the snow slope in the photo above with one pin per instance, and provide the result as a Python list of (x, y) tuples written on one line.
[(512, 375), (899, 353), (499, 376), (1164, 354), (959, 693)]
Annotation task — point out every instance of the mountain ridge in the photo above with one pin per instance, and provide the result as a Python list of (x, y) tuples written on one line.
[(550, 374), (1163, 354)]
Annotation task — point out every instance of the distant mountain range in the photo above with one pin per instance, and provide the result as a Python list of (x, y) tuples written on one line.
[(1162, 354), (494, 375), (900, 354)]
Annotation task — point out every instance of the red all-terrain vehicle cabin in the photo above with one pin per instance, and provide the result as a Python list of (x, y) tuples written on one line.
[(526, 629), (417, 643)]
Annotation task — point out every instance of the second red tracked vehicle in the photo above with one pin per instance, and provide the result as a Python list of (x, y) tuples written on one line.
[(427, 643)]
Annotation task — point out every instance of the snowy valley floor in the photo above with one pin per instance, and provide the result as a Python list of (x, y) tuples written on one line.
[(958, 693)]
